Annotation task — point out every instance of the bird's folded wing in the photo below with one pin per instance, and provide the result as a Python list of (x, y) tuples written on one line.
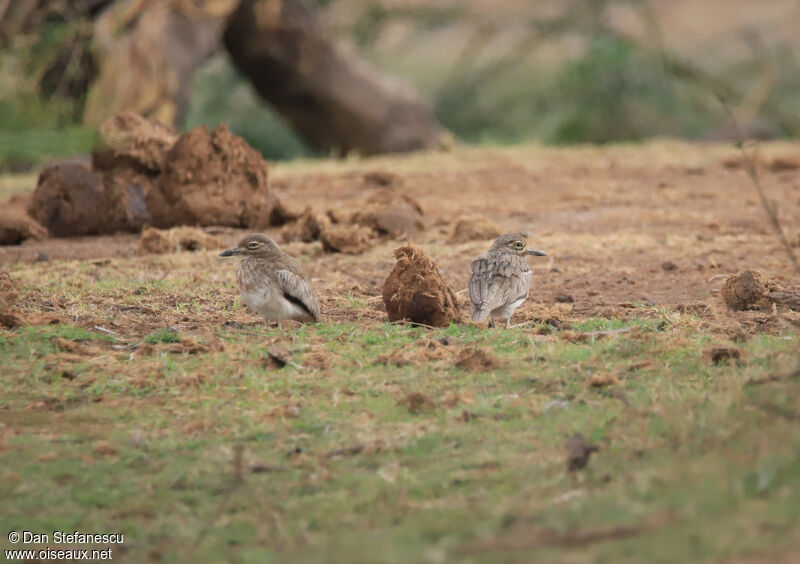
[(298, 288), (496, 281)]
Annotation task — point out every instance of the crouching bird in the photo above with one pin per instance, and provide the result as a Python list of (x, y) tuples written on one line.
[(272, 283), (499, 281)]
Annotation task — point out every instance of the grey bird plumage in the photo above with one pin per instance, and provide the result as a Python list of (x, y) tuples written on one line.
[(499, 280), (272, 283)]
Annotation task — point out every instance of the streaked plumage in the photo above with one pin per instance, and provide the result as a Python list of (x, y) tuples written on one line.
[(499, 280), (272, 283)]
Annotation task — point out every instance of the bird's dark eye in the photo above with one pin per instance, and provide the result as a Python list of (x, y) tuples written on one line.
[(253, 245), (518, 245)]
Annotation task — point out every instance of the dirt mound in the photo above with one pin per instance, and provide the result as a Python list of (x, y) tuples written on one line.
[(391, 213), (385, 213), (417, 402), (128, 137), (160, 241), (15, 223), (721, 355), (8, 295), (744, 290), (348, 239), (474, 228), (146, 174), (72, 200), (307, 227), (214, 179), (416, 291), (476, 360)]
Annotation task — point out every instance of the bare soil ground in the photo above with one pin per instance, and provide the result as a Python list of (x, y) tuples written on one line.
[(659, 224)]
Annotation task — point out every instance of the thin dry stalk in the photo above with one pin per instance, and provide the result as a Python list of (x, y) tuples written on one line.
[(752, 172)]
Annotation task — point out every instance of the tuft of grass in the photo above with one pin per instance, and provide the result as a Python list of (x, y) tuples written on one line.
[(162, 336)]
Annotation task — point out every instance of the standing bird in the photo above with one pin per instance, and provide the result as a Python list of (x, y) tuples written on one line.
[(499, 281), (271, 282)]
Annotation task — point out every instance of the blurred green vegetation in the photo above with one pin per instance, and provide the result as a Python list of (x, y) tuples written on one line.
[(42, 93), (221, 95), (609, 89)]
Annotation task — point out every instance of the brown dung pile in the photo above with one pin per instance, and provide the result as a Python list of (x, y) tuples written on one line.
[(15, 223), (744, 290), (415, 290), (160, 241), (386, 213), (146, 174), (474, 228)]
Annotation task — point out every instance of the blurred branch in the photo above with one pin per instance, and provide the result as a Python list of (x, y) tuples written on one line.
[(750, 167), (686, 71)]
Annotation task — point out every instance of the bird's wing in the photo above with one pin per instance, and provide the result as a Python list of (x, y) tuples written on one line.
[(496, 280), (296, 289)]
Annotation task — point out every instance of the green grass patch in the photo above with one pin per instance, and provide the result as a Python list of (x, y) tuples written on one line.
[(162, 336)]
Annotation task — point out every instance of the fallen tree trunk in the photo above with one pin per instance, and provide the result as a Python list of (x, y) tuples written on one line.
[(332, 96), (147, 53)]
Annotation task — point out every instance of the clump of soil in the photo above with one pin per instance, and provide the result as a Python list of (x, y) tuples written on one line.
[(719, 355), (744, 290), (71, 200), (386, 213), (476, 360), (15, 223), (390, 213), (474, 228), (319, 358), (130, 137), (146, 174), (578, 452), (160, 241), (417, 292), (417, 402), (307, 227), (348, 239), (8, 295), (214, 179), (602, 380), (283, 213)]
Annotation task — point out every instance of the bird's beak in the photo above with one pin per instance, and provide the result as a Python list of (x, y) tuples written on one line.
[(231, 252), (535, 252)]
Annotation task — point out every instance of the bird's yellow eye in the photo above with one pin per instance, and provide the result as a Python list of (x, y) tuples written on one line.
[(253, 245), (518, 245)]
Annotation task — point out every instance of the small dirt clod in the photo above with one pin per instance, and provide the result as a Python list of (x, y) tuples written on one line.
[(744, 290), (417, 402), (719, 355), (476, 360), (578, 452), (474, 228), (160, 241)]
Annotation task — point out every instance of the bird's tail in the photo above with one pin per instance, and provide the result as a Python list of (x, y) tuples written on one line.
[(478, 315)]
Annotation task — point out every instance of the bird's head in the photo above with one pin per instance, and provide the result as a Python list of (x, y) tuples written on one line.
[(516, 243), (254, 245)]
